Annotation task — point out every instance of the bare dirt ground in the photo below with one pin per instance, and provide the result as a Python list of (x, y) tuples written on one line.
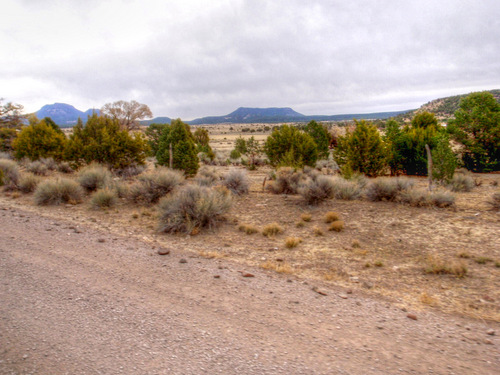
[(80, 300)]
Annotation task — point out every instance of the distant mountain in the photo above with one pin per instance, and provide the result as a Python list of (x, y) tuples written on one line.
[(64, 115), (443, 108), (245, 115)]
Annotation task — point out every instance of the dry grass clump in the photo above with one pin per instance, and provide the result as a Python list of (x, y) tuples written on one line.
[(292, 242), (272, 230), (482, 260), (442, 199), (248, 229), (193, 207), (331, 216), (54, 192), (287, 181), (50, 163), (307, 217), (5, 155), (152, 186), (336, 226), (37, 168), (461, 183), (104, 198), (9, 176), (494, 202), (423, 198), (318, 189), (387, 189), (438, 266), (28, 183), (329, 164), (236, 180), (318, 231), (345, 189), (207, 176), (281, 267), (130, 171), (93, 177)]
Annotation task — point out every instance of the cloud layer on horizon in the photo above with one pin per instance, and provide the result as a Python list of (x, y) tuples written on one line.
[(194, 58)]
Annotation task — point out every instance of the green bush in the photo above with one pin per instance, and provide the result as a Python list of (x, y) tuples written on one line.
[(289, 146), (477, 127), (39, 140), (55, 192), (387, 189), (28, 183), (318, 190), (102, 141), (104, 198), (10, 173), (154, 185), (444, 160), (321, 137), (236, 180), (94, 177), (193, 207), (361, 151), (184, 154)]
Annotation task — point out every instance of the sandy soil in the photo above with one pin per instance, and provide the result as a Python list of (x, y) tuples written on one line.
[(80, 298)]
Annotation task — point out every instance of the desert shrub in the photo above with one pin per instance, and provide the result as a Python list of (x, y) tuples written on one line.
[(5, 155), (248, 229), (336, 226), (94, 176), (54, 192), (39, 140), (292, 242), (38, 168), (235, 154), (345, 189), (193, 207), (154, 185), (207, 177), (101, 140), (494, 202), (442, 198), (130, 171), (10, 173), (121, 188), (65, 167), (317, 190), (50, 163), (28, 183), (331, 216), (104, 198), (415, 197), (329, 164), (272, 230), (236, 180), (387, 189), (289, 146), (461, 183), (287, 181), (184, 155)]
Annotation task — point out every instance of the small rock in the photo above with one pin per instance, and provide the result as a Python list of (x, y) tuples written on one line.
[(25, 356), (380, 327), (491, 332), (247, 274), (488, 342), (404, 309), (289, 280), (163, 251), (216, 276), (367, 285), (349, 291), (279, 259), (343, 296), (411, 316), (488, 298), (183, 260), (320, 292), (101, 240)]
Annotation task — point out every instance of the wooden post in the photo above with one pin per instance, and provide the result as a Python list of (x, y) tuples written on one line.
[(429, 165), (171, 157)]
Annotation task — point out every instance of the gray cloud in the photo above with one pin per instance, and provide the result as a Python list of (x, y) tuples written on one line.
[(207, 58)]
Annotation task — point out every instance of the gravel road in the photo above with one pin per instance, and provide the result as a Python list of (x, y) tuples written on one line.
[(75, 300)]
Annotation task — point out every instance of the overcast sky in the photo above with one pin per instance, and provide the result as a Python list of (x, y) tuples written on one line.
[(192, 58)]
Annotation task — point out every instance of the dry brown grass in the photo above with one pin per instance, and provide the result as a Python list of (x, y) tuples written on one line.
[(280, 267), (331, 217), (272, 229), (292, 242), (336, 226), (307, 217), (248, 229)]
